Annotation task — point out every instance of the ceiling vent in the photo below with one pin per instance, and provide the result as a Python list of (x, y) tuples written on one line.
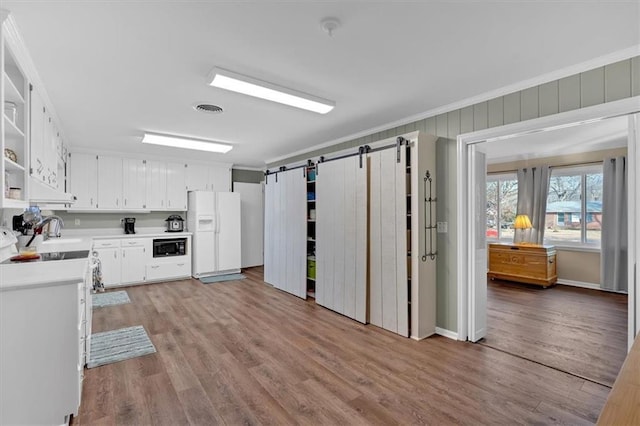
[(211, 109)]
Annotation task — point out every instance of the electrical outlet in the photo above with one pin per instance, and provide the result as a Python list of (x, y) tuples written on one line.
[(77, 222), (443, 227)]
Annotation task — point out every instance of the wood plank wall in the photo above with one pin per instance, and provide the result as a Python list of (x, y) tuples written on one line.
[(609, 83)]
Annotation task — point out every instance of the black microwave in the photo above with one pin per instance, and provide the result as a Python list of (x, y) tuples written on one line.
[(163, 247)]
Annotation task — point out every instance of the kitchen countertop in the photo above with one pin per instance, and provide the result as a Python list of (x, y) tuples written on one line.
[(18, 275), (22, 275), (113, 233)]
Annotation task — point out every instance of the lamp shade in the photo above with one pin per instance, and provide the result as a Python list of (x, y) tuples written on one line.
[(522, 222)]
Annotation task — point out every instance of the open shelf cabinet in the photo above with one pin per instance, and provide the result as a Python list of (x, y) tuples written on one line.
[(14, 168)]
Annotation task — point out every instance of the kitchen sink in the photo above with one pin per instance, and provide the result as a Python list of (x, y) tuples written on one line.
[(64, 244)]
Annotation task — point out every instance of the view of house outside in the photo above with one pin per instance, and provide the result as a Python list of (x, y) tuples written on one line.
[(564, 207)]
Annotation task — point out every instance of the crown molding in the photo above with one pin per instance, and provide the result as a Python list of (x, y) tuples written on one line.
[(600, 61)]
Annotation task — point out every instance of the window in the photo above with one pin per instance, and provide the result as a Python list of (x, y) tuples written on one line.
[(502, 202), (574, 206)]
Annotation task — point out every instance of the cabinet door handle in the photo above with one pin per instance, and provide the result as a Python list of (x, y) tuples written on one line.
[(117, 201), (155, 266), (115, 255), (179, 264), (125, 201), (91, 201), (123, 253)]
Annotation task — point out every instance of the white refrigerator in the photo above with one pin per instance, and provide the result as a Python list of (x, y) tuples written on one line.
[(214, 219)]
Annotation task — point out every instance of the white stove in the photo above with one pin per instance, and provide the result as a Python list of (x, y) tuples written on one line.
[(8, 242)]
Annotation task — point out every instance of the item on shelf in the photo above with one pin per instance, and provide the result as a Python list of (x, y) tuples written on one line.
[(312, 214), (175, 223), (6, 184), (129, 225), (311, 175), (11, 155), (311, 196), (10, 111), (15, 193), (311, 269)]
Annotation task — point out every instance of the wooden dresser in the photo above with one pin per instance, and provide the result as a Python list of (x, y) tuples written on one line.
[(531, 264)]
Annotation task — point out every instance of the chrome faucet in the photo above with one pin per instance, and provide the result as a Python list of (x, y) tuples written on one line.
[(58, 224)]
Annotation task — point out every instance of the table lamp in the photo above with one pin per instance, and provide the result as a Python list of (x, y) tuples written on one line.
[(521, 223)]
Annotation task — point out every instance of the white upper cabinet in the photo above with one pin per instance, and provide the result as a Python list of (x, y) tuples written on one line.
[(50, 147), (45, 143), (156, 174), (176, 186), (197, 177), (201, 177), (38, 113), (220, 179), (83, 180), (109, 182), (134, 187)]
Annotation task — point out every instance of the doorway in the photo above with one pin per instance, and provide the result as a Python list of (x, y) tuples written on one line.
[(472, 252)]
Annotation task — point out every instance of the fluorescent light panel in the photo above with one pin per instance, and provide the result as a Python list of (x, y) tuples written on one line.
[(239, 83), (186, 143)]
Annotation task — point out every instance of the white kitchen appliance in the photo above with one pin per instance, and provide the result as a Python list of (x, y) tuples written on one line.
[(214, 219), (8, 242)]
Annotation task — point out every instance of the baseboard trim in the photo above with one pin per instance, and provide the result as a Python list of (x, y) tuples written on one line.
[(580, 284), (447, 333)]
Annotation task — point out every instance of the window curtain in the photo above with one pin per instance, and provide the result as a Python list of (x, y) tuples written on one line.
[(614, 240), (533, 187)]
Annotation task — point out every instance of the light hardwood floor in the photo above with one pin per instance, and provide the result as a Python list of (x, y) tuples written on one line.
[(577, 330), (243, 352)]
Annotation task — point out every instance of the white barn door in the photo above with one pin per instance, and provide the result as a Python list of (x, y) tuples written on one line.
[(285, 232), (271, 229), (341, 237), (388, 290)]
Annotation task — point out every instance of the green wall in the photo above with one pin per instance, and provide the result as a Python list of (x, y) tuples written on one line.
[(612, 82), (247, 176)]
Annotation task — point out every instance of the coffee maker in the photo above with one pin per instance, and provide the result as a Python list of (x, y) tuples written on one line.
[(129, 225)]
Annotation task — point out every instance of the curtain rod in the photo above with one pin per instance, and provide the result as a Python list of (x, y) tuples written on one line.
[(585, 163)]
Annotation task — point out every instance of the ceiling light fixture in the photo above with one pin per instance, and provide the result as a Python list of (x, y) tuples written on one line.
[(186, 143), (239, 83)]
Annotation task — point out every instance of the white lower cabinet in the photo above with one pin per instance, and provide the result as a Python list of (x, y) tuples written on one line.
[(134, 256), (109, 255), (128, 261), (165, 271)]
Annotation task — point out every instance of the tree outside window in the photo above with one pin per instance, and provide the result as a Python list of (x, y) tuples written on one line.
[(574, 206), (502, 202)]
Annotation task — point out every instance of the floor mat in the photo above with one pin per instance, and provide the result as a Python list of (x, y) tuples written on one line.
[(100, 300), (221, 278), (118, 345)]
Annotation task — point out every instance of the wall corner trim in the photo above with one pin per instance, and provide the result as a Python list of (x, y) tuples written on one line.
[(446, 333)]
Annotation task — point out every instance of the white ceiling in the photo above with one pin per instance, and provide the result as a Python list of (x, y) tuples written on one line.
[(116, 69), (596, 136)]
